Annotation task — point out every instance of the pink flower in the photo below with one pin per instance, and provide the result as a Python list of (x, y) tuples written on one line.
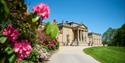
[(22, 48), (7, 31), (11, 33), (42, 10), (51, 44)]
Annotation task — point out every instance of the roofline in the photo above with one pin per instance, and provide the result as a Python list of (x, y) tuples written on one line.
[(75, 23), (94, 33)]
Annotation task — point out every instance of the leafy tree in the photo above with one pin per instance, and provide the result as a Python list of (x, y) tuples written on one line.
[(108, 36), (119, 38), (115, 37)]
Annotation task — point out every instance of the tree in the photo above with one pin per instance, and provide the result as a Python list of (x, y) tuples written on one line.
[(119, 38), (108, 36)]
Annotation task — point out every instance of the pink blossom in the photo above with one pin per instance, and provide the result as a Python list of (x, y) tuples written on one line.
[(7, 31), (52, 43), (42, 10), (22, 48), (11, 33)]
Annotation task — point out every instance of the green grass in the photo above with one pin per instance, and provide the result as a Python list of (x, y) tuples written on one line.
[(107, 54)]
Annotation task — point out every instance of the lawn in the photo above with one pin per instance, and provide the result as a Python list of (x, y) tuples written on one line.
[(107, 54)]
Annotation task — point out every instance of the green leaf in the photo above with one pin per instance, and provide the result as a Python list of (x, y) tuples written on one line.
[(3, 39), (12, 58), (52, 30), (9, 50), (48, 28), (35, 19), (24, 61)]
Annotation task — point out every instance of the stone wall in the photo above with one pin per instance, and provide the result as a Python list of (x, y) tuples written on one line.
[(95, 39), (66, 37)]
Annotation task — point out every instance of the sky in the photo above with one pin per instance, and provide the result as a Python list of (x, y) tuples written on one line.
[(97, 15)]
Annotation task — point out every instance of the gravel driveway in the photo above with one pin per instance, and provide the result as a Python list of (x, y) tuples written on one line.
[(72, 54)]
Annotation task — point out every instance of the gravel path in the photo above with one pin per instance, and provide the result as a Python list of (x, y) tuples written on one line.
[(72, 54)]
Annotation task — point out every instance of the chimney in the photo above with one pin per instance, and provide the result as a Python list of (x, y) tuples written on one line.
[(66, 22)]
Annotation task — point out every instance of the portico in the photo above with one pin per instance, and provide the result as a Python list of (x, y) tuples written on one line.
[(82, 35), (74, 34)]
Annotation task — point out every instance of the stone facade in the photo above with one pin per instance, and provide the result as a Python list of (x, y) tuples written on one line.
[(74, 34), (94, 39)]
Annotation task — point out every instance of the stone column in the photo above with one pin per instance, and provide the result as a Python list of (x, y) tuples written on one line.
[(81, 36), (87, 38), (78, 37)]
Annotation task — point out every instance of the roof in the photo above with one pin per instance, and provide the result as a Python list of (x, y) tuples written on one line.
[(70, 24), (91, 33)]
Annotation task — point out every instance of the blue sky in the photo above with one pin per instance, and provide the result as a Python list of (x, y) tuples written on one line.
[(97, 15)]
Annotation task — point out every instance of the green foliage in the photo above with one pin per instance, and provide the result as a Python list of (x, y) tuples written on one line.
[(57, 45), (9, 50), (7, 55), (4, 11), (108, 36), (7, 7), (24, 61), (48, 28), (119, 38), (13, 12), (12, 58), (52, 29), (3, 39), (51, 46), (33, 56), (6, 52), (35, 19), (107, 54), (45, 47), (115, 37)]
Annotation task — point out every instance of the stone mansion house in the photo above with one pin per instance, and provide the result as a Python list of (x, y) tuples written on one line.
[(77, 34)]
